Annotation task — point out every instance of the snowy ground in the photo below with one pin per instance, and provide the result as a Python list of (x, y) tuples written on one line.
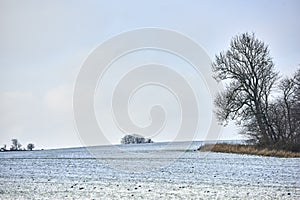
[(75, 174)]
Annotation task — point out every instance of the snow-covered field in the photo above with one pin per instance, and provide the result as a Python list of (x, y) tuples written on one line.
[(146, 171)]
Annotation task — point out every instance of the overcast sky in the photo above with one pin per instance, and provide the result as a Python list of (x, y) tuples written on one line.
[(44, 43)]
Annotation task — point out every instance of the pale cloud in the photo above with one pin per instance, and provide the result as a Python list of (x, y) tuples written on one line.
[(33, 118), (59, 100), (16, 108), (18, 112)]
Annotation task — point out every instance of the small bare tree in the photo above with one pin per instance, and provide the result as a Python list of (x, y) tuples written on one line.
[(135, 139), (30, 146), (15, 145), (3, 148)]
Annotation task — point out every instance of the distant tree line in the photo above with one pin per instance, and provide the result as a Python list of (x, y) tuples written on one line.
[(17, 146), (265, 105), (135, 139)]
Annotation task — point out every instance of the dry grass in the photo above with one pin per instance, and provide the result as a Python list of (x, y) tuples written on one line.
[(248, 149)]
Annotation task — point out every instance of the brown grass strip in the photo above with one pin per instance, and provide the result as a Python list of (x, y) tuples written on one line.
[(248, 149)]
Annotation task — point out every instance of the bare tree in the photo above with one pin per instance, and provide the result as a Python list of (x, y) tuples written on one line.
[(249, 74), (296, 97), (135, 139), (15, 145), (285, 114), (3, 148), (30, 146)]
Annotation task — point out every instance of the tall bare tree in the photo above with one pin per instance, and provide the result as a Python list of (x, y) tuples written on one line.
[(296, 97), (285, 114), (248, 72)]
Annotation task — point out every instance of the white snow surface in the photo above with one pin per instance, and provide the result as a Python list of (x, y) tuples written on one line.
[(135, 172)]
